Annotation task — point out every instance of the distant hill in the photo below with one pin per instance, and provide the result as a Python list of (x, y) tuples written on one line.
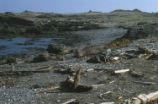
[(30, 23)]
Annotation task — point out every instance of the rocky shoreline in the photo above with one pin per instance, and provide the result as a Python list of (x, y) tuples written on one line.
[(22, 88), (120, 58)]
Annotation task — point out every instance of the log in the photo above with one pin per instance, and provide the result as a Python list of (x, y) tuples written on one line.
[(121, 71), (144, 50), (98, 85), (71, 84), (145, 83), (71, 101), (49, 90), (136, 74), (89, 70), (146, 99), (26, 72), (64, 71), (21, 73), (46, 67), (77, 78)]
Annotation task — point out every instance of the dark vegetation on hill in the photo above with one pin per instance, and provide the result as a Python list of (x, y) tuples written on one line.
[(32, 24)]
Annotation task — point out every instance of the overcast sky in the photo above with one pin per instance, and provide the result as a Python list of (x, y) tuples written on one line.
[(76, 6)]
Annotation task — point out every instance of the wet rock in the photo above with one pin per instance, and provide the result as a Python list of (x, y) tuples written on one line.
[(57, 57), (11, 60), (88, 50), (42, 57), (58, 49), (103, 58), (46, 57), (97, 59)]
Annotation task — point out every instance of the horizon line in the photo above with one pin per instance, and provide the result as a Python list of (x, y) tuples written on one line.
[(75, 12)]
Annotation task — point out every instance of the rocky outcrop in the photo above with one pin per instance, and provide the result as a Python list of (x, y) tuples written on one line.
[(141, 30)]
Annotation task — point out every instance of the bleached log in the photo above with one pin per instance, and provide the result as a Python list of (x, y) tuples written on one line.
[(89, 70), (145, 98), (70, 101), (148, 98), (121, 71), (98, 85)]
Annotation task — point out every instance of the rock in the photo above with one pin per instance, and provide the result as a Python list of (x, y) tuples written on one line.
[(57, 57), (88, 50), (11, 60), (103, 58), (97, 59), (42, 58), (141, 30), (58, 49)]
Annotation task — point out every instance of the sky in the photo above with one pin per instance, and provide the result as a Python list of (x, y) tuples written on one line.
[(76, 6)]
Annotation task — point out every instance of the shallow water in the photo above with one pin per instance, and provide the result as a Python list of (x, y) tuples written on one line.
[(20, 44)]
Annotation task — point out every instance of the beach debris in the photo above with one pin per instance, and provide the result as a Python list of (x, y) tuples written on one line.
[(151, 98), (77, 78), (58, 49), (73, 84), (145, 83), (136, 74), (107, 103), (114, 72), (129, 55), (100, 70), (97, 59), (49, 90), (89, 70), (21, 73), (121, 71), (142, 53), (102, 94), (65, 70), (72, 101), (103, 59), (25, 72), (147, 54), (45, 68)]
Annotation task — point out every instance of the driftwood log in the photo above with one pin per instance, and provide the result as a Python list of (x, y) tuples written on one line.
[(73, 85), (151, 98)]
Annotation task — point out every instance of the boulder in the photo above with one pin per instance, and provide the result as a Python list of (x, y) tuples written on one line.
[(58, 49), (97, 59), (11, 60), (41, 58), (88, 50)]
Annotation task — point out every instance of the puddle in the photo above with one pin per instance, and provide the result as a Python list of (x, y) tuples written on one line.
[(23, 45)]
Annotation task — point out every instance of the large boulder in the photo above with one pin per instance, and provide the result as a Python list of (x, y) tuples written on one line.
[(58, 49)]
